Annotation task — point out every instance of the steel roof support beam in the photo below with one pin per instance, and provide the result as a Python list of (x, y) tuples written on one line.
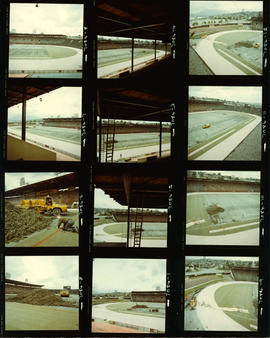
[(23, 113), (143, 27)]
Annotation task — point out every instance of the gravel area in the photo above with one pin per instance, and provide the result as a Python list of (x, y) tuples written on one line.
[(250, 148), (196, 65)]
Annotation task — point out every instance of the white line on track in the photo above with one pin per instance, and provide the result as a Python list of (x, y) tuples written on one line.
[(224, 148), (239, 62)]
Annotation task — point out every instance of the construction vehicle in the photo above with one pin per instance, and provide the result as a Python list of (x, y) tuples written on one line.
[(45, 205), (66, 291), (207, 125)]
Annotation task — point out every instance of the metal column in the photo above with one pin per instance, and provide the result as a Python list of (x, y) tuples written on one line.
[(132, 54), (128, 225), (155, 49), (23, 113), (160, 138)]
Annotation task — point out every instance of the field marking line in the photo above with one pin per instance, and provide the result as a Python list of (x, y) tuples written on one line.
[(204, 283), (239, 62), (46, 238), (235, 227), (195, 222), (226, 147), (213, 141)]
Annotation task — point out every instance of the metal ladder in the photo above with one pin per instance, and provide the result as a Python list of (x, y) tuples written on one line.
[(138, 225), (108, 141)]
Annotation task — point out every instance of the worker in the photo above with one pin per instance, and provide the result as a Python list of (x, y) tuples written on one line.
[(67, 224), (48, 200)]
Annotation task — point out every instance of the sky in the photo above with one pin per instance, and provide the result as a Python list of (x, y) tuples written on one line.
[(12, 180), (51, 271), (64, 19), (105, 201), (242, 174), (229, 93), (126, 275), (244, 259), (62, 102), (226, 6)]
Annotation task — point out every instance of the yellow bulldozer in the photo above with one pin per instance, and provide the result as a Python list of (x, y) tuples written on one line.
[(66, 291), (45, 205)]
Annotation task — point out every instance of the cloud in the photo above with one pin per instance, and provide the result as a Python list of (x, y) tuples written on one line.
[(230, 93), (226, 6), (127, 275), (64, 19), (12, 180), (105, 201), (65, 102), (50, 271)]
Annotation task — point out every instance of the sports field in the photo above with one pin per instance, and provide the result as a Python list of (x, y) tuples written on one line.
[(38, 52), (244, 298), (208, 129), (244, 46), (44, 60), (237, 52), (150, 230), (216, 214), (111, 56), (134, 140)]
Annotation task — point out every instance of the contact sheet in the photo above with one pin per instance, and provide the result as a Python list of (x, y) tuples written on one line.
[(134, 168)]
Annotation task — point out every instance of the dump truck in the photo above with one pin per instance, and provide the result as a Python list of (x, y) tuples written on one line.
[(45, 205), (66, 291)]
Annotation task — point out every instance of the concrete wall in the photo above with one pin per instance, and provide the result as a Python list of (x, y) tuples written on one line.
[(45, 39), (202, 105), (122, 217), (22, 150), (245, 274), (197, 185)]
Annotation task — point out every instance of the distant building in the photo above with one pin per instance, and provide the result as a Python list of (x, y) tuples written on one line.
[(148, 296), (257, 23)]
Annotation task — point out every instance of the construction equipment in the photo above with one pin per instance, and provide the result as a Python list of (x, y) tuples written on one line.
[(46, 205), (66, 291), (207, 125)]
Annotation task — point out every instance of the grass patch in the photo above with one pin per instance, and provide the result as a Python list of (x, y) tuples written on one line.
[(116, 229), (241, 66), (203, 285), (238, 296), (105, 300), (101, 221), (127, 308), (203, 229)]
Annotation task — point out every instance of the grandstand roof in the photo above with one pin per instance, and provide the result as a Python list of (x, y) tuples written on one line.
[(135, 104), (15, 92), (60, 182), (18, 283), (149, 19), (134, 183)]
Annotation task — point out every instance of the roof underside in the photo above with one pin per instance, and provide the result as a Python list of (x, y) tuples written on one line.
[(17, 93), (60, 182), (142, 19), (147, 189), (133, 104)]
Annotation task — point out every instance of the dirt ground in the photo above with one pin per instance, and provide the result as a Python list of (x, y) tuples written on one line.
[(40, 297), (105, 327), (19, 222), (20, 316)]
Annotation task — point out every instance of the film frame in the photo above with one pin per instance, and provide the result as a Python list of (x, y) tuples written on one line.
[(175, 271)]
